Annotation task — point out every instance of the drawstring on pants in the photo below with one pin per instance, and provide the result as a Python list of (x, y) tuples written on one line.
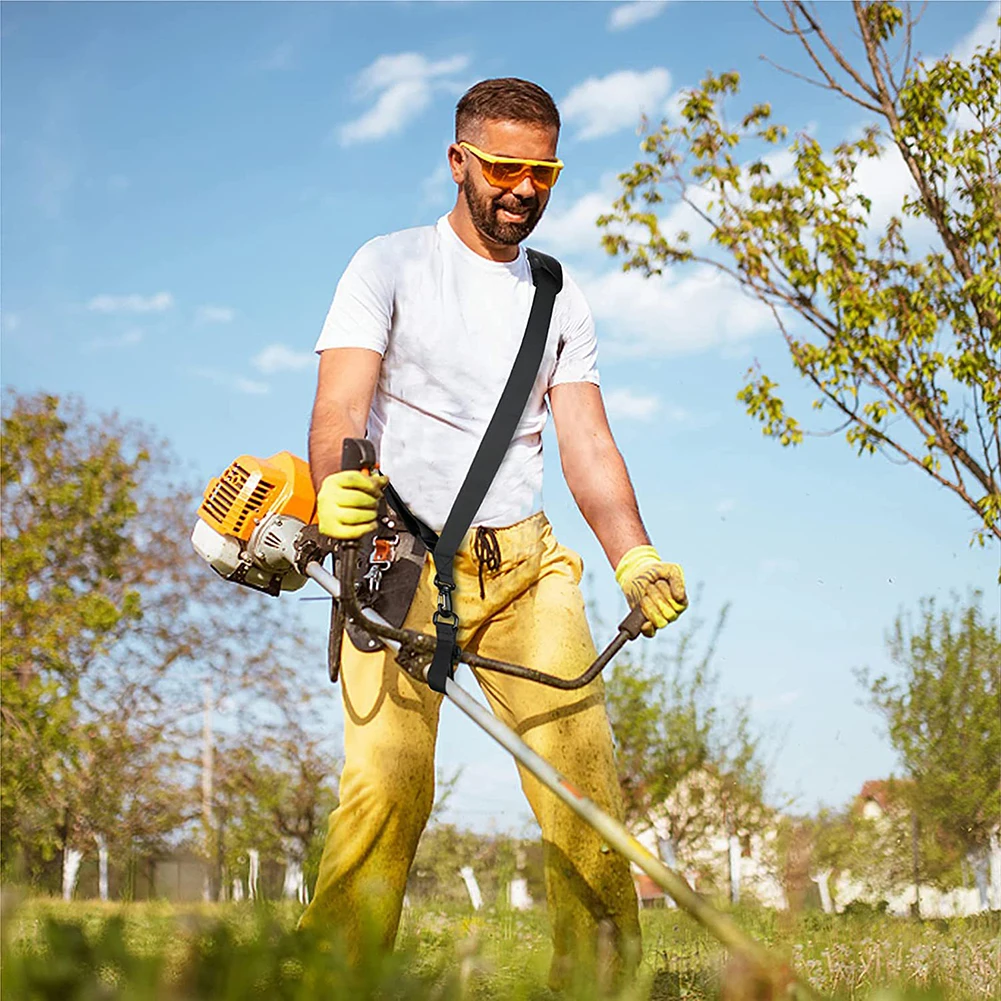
[(486, 549)]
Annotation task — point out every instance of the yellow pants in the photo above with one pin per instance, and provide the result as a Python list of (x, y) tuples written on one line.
[(532, 614)]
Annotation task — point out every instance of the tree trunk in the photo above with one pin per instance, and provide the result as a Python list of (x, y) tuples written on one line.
[(102, 866), (473, 888), (734, 869), (207, 777), (72, 857)]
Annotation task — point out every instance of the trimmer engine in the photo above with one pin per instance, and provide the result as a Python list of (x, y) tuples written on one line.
[(250, 518)]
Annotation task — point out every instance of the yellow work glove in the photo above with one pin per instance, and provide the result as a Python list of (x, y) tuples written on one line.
[(348, 502), (657, 587)]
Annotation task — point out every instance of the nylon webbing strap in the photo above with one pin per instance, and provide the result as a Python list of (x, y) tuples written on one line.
[(547, 276)]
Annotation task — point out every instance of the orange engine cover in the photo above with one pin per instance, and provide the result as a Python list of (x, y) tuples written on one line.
[(251, 489)]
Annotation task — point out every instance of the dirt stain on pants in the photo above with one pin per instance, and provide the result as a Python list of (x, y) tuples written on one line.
[(532, 614)]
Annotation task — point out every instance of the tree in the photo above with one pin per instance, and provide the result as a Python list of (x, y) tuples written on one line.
[(877, 852), (112, 624), (66, 509), (904, 345), (942, 713), (682, 761), (274, 793)]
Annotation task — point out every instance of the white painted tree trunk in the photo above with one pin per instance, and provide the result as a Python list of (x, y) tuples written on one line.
[(995, 894), (102, 866), (981, 880), (821, 879), (72, 858), (255, 872), (469, 877), (517, 894), (294, 886), (734, 869), (208, 768)]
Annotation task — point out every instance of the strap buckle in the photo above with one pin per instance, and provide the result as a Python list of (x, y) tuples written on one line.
[(445, 611)]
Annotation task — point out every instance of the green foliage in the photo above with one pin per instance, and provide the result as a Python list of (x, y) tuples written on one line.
[(904, 345), (112, 627), (150, 953), (878, 852), (444, 849), (68, 505), (274, 795), (943, 716)]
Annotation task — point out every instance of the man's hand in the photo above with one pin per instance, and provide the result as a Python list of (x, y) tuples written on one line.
[(657, 587), (347, 503)]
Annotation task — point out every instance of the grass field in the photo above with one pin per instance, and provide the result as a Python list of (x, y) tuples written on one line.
[(151, 951)]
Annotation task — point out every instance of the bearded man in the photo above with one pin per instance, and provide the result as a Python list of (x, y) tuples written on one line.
[(415, 351)]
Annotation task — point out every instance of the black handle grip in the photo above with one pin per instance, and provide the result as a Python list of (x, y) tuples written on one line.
[(633, 623), (357, 453)]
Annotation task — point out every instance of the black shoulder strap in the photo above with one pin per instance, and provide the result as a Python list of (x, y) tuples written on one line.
[(547, 276)]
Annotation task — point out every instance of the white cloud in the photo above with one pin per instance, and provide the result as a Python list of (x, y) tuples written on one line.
[(235, 382), (128, 339), (984, 33), (11, 321), (624, 404), (677, 313), (131, 303), (602, 105), (574, 231), (626, 15), (403, 84), (438, 186), (214, 314), (279, 358)]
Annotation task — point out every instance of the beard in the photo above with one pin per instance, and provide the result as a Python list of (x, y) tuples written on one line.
[(484, 212)]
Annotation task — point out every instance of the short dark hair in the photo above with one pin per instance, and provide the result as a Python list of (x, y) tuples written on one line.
[(506, 99)]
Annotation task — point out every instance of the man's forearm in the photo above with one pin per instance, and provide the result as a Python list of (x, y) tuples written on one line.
[(330, 425), (600, 485)]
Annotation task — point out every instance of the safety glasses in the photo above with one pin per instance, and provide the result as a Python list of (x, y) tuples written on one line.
[(508, 171)]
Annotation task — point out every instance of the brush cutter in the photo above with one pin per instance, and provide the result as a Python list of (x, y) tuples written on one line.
[(256, 527)]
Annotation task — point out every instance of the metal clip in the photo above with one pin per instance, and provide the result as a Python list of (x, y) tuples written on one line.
[(379, 561), (445, 606)]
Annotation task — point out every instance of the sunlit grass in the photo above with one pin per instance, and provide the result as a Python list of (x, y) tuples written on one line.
[(161, 952)]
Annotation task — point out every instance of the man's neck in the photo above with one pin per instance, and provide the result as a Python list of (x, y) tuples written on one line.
[(462, 226)]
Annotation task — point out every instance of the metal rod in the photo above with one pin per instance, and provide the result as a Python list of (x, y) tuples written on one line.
[(614, 833)]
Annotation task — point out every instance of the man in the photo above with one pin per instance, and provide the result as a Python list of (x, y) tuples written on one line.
[(414, 353)]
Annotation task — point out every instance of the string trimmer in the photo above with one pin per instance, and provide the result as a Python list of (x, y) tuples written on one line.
[(257, 527)]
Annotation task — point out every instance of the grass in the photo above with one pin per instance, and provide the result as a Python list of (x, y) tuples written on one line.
[(88, 951)]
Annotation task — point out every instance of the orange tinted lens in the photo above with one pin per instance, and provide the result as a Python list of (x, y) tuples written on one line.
[(504, 175), (545, 176), (509, 175)]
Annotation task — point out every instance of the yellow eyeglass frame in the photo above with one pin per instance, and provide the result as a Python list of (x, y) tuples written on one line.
[(545, 173)]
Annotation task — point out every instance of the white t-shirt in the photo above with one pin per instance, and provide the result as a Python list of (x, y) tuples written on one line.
[(448, 324)]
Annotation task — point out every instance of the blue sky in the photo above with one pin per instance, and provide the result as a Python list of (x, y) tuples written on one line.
[(184, 183)]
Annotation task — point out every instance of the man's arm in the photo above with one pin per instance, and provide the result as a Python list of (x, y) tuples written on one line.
[(594, 469), (344, 389)]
